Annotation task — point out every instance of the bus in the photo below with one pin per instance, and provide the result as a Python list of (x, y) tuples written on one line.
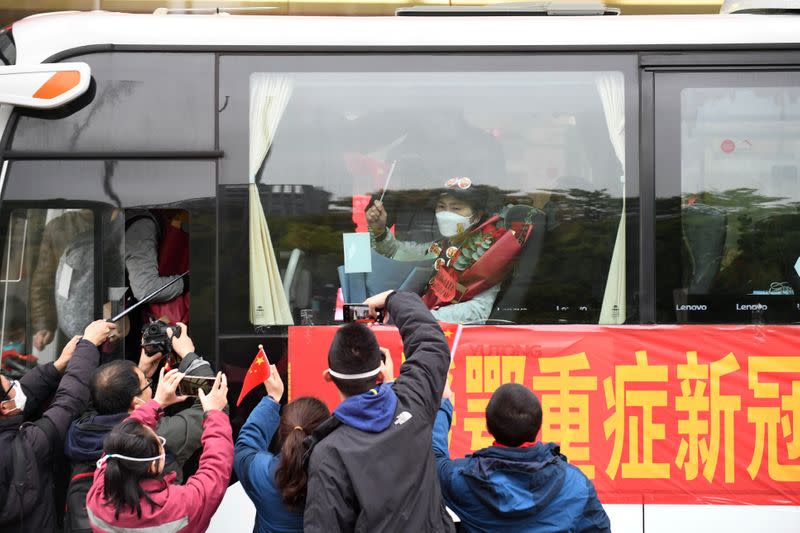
[(652, 305)]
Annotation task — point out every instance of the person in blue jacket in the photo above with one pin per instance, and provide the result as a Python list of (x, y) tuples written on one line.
[(516, 484), (277, 483)]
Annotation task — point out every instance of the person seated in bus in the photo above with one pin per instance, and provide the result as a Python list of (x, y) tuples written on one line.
[(371, 467), (277, 482), (131, 490), (117, 389), (28, 451), (56, 237), (516, 484), (156, 253), (472, 258)]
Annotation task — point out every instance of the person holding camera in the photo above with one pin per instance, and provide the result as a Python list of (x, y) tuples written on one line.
[(277, 482), (119, 388), (131, 490), (30, 440), (371, 466)]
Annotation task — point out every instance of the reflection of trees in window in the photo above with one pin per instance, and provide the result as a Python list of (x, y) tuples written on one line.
[(578, 243), (762, 244)]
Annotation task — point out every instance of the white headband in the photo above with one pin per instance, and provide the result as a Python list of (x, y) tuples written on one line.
[(126, 458), (363, 375)]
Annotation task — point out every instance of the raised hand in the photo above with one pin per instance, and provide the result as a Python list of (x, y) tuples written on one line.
[(274, 384), (98, 331), (167, 385), (217, 398)]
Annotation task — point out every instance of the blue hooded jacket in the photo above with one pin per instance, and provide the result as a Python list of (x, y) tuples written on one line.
[(371, 411), (255, 466), (84, 442), (515, 489)]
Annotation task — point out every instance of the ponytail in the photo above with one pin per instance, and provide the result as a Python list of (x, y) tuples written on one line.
[(299, 419), (122, 478)]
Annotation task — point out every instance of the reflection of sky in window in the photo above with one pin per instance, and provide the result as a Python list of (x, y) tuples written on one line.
[(741, 138), (446, 119)]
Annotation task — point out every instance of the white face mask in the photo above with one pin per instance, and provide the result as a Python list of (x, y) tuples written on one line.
[(19, 398), (451, 223)]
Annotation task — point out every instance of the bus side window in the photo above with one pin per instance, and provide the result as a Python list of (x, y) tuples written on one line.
[(37, 280)]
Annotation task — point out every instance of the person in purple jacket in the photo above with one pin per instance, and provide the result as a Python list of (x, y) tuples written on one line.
[(277, 482), (29, 443)]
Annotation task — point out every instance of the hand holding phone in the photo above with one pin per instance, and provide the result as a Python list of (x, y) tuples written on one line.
[(360, 313)]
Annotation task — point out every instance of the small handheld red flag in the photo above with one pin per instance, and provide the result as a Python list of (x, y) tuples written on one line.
[(257, 373)]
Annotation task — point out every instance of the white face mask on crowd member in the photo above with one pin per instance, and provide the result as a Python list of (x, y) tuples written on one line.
[(15, 403), (451, 224)]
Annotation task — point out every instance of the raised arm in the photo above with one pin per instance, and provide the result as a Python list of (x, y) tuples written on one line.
[(422, 375), (252, 444), (445, 467), (141, 260), (184, 430), (207, 486), (72, 395)]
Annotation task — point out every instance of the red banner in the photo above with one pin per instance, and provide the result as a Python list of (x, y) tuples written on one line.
[(667, 414)]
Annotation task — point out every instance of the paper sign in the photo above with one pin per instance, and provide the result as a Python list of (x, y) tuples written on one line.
[(64, 280), (357, 256), (444, 285)]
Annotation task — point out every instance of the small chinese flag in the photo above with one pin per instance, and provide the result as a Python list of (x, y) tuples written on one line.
[(258, 372)]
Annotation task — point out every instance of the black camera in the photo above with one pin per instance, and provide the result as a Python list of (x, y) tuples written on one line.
[(155, 338)]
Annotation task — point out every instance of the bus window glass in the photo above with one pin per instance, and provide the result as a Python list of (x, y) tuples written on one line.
[(735, 223), (47, 297), (497, 196), (137, 101), (92, 249)]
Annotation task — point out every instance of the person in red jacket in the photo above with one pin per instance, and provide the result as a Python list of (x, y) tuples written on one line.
[(130, 490)]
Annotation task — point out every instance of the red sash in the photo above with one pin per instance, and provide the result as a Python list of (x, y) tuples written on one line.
[(173, 259)]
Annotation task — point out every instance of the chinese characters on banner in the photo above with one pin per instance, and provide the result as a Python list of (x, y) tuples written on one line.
[(668, 414)]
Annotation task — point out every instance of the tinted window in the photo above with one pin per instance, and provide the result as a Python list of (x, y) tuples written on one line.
[(63, 225), (541, 156), (137, 101), (728, 197)]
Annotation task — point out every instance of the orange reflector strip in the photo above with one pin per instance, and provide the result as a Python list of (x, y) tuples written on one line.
[(58, 84)]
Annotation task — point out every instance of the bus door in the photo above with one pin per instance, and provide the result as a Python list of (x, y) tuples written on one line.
[(134, 149)]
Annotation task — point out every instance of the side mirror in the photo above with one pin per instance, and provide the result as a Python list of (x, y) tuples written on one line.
[(43, 86)]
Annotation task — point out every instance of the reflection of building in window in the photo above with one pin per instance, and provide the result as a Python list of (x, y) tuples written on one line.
[(295, 200)]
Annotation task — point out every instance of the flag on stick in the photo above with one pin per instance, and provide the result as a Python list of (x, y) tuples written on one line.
[(256, 374)]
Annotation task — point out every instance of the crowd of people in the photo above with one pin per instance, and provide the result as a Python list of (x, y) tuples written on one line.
[(379, 462)]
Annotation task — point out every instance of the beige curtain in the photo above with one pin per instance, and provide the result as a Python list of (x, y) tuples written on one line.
[(611, 87), (269, 95)]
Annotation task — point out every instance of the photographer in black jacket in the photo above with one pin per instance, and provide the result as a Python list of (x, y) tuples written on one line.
[(372, 468)]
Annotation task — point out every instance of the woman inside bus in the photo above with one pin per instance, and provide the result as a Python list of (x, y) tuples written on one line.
[(469, 232), (130, 490), (277, 483)]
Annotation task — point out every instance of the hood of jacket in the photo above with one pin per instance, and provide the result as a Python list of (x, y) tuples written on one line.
[(371, 411), (516, 481), (85, 436)]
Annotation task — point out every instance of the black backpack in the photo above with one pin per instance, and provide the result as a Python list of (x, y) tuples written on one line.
[(76, 518), (81, 477)]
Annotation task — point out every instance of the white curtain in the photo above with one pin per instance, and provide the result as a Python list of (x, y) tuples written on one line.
[(611, 87), (268, 303)]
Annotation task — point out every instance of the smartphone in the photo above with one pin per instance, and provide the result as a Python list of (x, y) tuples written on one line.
[(359, 313), (189, 385)]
